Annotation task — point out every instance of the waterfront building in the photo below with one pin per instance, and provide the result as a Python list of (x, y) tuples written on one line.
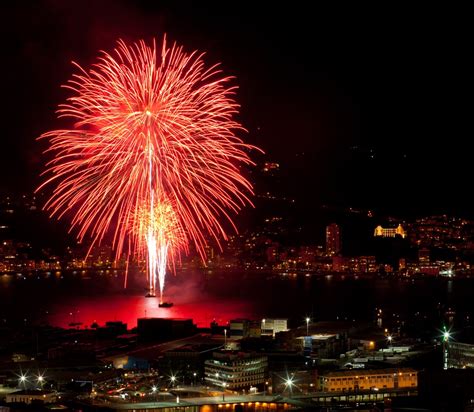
[(29, 396), (354, 380), (424, 257), (236, 370)]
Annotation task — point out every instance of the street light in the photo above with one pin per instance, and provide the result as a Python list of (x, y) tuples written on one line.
[(40, 380), (263, 325), (225, 339), (173, 379), (289, 384), (194, 374), (153, 391), (23, 379), (307, 326), (446, 337)]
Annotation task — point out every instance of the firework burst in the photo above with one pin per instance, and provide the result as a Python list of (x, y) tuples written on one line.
[(153, 158)]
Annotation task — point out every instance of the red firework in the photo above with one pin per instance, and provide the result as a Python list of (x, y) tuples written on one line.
[(153, 157)]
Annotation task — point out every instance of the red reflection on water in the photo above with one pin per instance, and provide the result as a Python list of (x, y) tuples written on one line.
[(101, 309)]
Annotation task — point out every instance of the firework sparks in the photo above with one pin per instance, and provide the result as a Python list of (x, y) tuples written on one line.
[(152, 158), (163, 237)]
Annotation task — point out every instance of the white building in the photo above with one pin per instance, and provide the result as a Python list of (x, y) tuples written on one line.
[(28, 396), (273, 326), (235, 370)]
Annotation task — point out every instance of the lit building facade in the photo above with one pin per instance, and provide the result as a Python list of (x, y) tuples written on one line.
[(390, 232), (29, 396), (245, 328), (273, 326), (459, 355), (424, 257), (441, 232), (363, 264), (333, 239), (354, 380), (239, 328), (236, 371)]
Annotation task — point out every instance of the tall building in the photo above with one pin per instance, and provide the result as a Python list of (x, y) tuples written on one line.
[(236, 370), (333, 239)]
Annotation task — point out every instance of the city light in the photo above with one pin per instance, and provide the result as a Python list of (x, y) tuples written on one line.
[(446, 334), (289, 382)]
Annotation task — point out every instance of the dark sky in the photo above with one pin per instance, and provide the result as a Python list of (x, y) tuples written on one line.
[(362, 106)]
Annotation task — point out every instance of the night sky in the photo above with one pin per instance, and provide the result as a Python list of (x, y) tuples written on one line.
[(366, 107)]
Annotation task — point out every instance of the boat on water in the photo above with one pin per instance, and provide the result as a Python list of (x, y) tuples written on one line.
[(165, 304)]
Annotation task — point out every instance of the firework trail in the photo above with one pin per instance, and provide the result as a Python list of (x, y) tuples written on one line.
[(152, 157)]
